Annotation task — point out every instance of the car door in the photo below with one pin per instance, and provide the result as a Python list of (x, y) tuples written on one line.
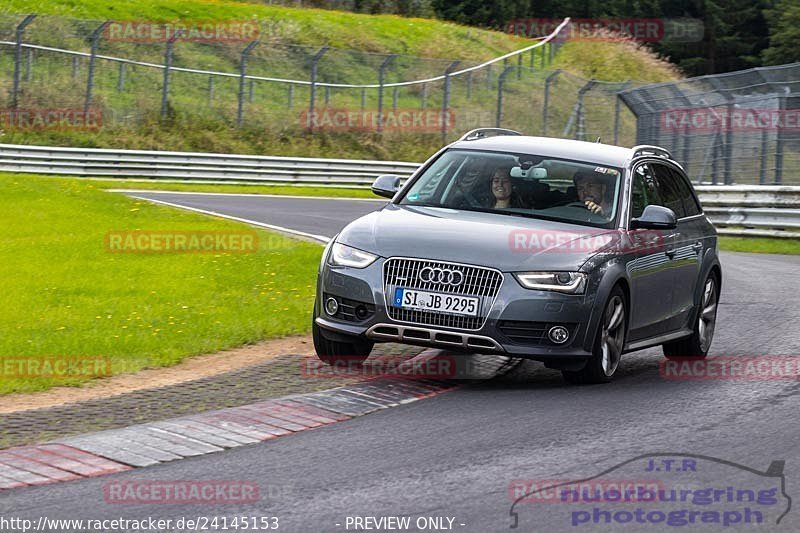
[(652, 279), (689, 242)]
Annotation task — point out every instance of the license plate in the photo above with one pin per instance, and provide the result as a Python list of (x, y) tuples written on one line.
[(434, 301)]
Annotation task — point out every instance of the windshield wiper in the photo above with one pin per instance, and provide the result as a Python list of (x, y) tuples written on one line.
[(422, 204), (508, 212)]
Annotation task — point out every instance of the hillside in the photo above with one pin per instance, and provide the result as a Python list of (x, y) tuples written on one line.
[(201, 113)]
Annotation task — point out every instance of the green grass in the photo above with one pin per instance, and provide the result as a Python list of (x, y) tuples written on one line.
[(65, 295), (313, 27), (286, 190), (760, 245)]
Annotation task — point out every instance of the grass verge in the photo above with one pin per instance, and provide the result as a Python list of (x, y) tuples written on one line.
[(760, 245), (67, 296), (287, 190)]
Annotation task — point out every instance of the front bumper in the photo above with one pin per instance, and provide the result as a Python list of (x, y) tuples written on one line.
[(510, 327)]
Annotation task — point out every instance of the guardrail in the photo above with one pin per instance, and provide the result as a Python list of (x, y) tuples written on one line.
[(189, 166), (747, 210)]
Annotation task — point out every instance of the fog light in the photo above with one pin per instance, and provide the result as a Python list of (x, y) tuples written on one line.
[(558, 334), (361, 312), (331, 306)]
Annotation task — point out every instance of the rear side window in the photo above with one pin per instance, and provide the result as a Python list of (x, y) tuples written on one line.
[(669, 190), (690, 204)]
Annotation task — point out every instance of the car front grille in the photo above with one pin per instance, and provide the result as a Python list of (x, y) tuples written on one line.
[(478, 281)]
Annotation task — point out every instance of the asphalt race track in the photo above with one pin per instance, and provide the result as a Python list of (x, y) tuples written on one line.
[(457, 454)]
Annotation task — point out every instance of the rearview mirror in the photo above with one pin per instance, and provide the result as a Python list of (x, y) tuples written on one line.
[(536, 173), (386, 185), (655, 217)]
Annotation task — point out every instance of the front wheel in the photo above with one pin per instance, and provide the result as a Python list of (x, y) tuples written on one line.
[(608, 345), (352, 350), (697, 345)]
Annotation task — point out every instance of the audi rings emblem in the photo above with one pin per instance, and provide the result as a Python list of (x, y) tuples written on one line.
[(444, 276)]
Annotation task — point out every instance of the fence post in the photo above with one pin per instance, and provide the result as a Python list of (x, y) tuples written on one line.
[(395, 96), (242, 77), (446, 98), (762, 175), (327, 95), (501, 80), (121, 78), (519, 66), (95, 38), (577, 116), (167, 67), (469, 85), (488, 77), (424, 96), (290, 96), (74, 67), (547, 81), (20, 33), (312, 98), (381, 81), (779, 144), (363, 99), (29, 66), (210, 91), (616, 111)]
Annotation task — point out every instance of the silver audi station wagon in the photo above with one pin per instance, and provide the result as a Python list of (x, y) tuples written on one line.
[(567, 252)]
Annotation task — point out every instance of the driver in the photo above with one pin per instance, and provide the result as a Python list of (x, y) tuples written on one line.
[(591, 190)]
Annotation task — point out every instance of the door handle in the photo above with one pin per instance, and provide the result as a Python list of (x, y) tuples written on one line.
[(697, 247)]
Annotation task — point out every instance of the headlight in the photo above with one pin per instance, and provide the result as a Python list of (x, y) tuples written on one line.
[(568, 282), (343, 255)]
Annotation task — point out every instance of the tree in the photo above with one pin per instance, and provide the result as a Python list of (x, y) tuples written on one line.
[(784, 33)]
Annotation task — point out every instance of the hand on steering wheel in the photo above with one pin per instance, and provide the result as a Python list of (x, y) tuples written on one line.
[(590, 205)]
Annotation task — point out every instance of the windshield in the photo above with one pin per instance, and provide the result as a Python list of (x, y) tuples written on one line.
[(519, 185)]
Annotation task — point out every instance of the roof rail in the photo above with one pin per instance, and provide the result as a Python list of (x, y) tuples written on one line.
[(482, 133), (648, 149)]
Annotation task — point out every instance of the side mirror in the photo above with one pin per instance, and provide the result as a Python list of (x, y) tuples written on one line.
[(655, 217), (386, 186)]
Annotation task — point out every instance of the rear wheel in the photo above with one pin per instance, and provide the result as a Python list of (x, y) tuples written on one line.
[(608, 344), (697, 345), (347, 349)]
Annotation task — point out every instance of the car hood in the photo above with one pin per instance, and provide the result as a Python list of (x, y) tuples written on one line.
[(508, 243)]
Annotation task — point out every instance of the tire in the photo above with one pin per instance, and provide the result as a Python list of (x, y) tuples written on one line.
[(608, 344), (697, 345), (354, 350)]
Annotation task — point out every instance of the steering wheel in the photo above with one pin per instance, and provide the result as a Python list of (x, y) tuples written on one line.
[(577, 204)]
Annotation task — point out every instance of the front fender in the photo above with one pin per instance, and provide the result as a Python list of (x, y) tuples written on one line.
[(606, 273)]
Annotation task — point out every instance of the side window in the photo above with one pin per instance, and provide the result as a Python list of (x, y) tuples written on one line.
[(690, 204), (644, 190), (669, 189)]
